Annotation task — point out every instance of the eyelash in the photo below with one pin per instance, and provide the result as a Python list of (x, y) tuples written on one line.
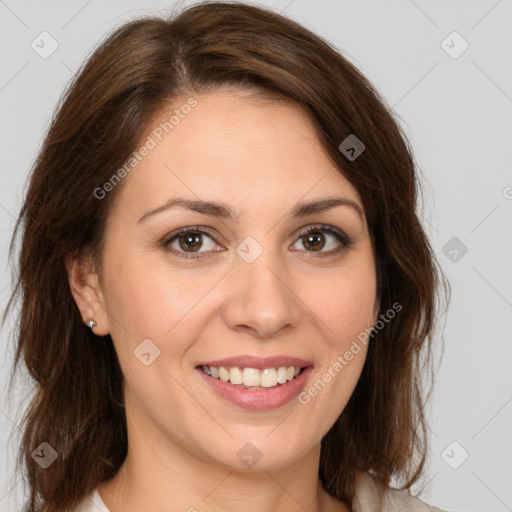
[(339, 235)]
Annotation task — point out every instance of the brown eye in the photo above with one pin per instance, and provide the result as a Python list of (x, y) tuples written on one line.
[(188, 241), (316, 238), (315, 241)]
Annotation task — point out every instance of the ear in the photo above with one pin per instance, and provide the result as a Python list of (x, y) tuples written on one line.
[(86, 290)]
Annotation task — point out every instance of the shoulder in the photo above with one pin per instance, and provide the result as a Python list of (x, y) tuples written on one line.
[(91, 503), (372, 496)]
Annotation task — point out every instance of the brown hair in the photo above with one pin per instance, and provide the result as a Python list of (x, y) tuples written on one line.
[(133, 75)]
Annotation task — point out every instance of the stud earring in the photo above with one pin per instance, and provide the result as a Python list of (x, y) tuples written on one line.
[(91, 324)]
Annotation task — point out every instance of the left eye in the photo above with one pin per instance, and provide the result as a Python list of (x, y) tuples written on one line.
[(314, 237), (189, 241)]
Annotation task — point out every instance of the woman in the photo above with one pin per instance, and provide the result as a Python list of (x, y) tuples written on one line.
[(227, 295)]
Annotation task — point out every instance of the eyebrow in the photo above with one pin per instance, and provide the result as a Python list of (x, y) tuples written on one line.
[(222, 210)]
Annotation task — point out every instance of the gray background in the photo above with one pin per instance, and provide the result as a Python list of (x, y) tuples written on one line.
[(458, 115)]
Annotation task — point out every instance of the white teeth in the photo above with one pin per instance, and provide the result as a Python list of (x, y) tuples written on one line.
[(253, 377), (235, 376), (224, 374), (282, 375), (269, 378)]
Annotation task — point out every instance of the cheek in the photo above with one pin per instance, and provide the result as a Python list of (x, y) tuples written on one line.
[(346, 308), (346, 305), (145, 299)]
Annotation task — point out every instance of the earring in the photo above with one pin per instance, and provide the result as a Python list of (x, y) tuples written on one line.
[(91, 324)]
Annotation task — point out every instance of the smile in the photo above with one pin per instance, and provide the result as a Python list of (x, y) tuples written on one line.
[(262, 396), (253, 378)]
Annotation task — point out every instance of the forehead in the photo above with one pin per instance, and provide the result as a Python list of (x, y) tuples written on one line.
[(251, 151)]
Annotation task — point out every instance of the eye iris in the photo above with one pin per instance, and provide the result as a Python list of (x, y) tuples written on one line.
[(192, 241), (312, 238)]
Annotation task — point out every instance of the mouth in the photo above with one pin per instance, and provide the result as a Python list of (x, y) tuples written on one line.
[(253, 379), (259, 386)]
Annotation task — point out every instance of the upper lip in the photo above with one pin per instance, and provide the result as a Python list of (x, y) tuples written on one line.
[(260, 363)]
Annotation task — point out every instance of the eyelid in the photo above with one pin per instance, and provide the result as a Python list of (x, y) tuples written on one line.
[(341, 236), (311, 228), (182, 231)]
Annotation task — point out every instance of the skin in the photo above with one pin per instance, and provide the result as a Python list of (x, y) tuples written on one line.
[(257, 156)]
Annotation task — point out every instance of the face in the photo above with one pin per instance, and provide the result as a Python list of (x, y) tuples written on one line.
[(184, 286)]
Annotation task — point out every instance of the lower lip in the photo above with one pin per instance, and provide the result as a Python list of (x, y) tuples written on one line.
[(257, 400)]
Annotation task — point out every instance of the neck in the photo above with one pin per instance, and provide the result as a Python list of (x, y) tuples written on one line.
[(158, 472)]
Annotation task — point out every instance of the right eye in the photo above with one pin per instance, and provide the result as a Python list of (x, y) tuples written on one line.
[(186, 239)]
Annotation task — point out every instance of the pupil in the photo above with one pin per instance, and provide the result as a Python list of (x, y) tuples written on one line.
[(311, 240), (191, 240)]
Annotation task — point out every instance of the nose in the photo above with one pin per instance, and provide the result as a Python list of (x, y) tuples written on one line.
[(261, 299)]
